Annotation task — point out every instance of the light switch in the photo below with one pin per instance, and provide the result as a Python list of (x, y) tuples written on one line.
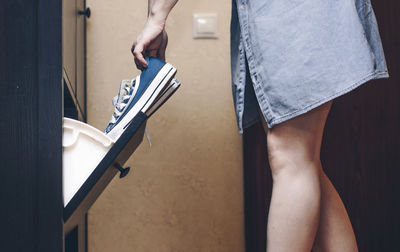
[(205, 25)]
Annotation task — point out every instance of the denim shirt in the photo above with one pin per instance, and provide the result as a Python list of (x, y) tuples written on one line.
[(238, 62), (298, 54)]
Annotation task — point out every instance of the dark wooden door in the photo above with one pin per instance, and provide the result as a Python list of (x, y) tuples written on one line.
[(360, 153), (30, 126)]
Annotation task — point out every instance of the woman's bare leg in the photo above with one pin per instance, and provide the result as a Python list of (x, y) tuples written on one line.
[(293, 152), (335, 233)]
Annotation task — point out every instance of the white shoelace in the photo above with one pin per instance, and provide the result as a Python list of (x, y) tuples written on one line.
[(147, 136), (119, 107)]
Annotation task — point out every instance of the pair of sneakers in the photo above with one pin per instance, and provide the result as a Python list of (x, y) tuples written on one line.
[(145, 93)]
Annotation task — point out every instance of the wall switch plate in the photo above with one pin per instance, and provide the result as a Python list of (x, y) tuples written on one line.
[(205, 25)]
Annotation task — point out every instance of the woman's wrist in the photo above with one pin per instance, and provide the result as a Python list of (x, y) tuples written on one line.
[(157, 19), (158, 11)]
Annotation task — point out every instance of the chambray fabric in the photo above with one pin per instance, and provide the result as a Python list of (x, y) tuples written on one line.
[(290, 56)]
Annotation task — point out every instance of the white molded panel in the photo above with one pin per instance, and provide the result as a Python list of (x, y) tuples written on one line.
[(83, 148)]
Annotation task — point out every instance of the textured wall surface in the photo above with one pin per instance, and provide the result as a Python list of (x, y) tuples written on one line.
[(185, 193)]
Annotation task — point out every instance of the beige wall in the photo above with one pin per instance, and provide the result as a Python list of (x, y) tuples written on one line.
[(185, 193)]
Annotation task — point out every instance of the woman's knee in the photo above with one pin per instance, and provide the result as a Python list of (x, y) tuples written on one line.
[(291, 157), (296, 143)]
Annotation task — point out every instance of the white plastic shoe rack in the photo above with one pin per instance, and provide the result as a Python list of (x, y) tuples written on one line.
[(91, 160)]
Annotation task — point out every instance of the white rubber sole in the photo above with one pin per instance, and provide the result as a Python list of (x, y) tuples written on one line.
[(163, 77), (172, 87)]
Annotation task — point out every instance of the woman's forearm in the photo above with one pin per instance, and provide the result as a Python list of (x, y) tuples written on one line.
[(158, 10)]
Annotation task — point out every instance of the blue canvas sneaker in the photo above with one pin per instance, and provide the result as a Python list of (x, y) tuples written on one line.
[(140, 95)]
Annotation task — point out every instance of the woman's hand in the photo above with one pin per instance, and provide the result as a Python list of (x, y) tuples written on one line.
[(151, 41)]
